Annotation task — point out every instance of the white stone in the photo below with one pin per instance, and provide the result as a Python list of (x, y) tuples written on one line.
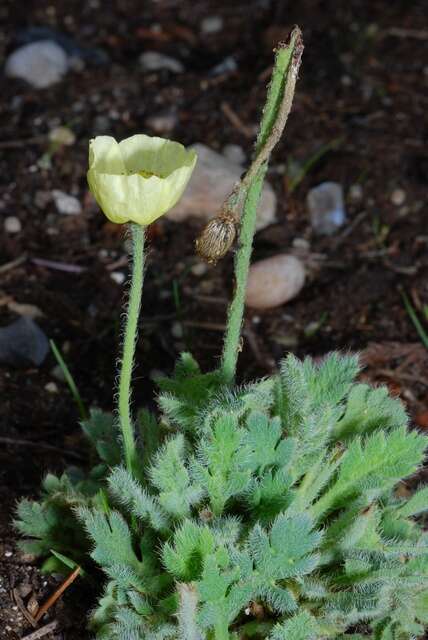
[(212, 181), (66, 204), (41, 64), (326, 208), (163, 122), (118, 277), (51, 387), (212, 24), (177, 330), (12, 224), (234, 153), (154, 61), (398, 196), (62, 136), (274, 281), (199, 269), (302, 244)]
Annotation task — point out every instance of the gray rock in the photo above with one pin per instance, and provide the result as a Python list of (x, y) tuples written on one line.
[(12, 224), (23, 344), (212, 24), (67, 205), (274, 281), (228, 65), (234, 153), (41, 64), (326, 208), (154, 61), (162, 122), (212, 181), (398, 197)]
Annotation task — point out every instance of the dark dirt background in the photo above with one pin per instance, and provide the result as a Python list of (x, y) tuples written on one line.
[(363, 79)]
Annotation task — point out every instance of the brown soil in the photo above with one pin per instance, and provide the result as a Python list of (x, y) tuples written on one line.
[(361, 82)]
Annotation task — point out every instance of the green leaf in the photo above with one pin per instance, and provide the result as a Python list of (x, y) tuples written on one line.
[(221, 466), (287, 550), (266, 448), (301, 626), (177, 494), (374, 465), (102, 431), (112, 538), (130, 494), (416, 504), (368, 410), (192, 544)]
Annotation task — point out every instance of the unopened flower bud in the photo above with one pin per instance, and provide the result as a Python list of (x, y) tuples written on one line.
[(217, 238)]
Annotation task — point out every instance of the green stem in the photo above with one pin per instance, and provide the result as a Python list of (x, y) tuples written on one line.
[(275, 114), (129, 341), (242, 265)]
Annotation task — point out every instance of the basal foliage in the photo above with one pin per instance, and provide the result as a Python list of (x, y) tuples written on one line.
[(270, 511)]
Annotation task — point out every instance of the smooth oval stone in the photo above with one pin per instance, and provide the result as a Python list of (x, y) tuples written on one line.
[(274, 281)]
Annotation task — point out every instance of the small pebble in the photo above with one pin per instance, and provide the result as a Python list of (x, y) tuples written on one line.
[(326, 208), (12, 225), (62, 136), (163, 122), (41, 64), (302, 244), (274, 281), (356, 193), (58, 373), (51, 387), (118, 277), (25, 589), (199, 269), (33, 605), (66, 204), (398, 196), (25, 309), (177, 330), (154, 61), (228, 65), (235, 153), (8, 554), (23, 343), (212, 24)]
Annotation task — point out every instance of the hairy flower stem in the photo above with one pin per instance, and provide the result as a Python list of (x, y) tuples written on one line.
[(129, 341), (275, 114)]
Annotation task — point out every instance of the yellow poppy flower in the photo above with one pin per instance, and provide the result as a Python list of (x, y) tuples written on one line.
[(139, 178)]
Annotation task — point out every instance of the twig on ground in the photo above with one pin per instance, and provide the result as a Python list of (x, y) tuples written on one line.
[(17, 144), (23, 609), (407, 377), (12, 264), (57, 594), (43, 631), (417, 34), (58, 266), (210, 326), (350, 228), (40, 445), (236, 121)]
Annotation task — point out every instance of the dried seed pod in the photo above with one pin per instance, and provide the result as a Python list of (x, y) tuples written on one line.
[(217, 238)]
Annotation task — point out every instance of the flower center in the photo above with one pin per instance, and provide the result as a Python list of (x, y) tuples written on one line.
[(148, 174)]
